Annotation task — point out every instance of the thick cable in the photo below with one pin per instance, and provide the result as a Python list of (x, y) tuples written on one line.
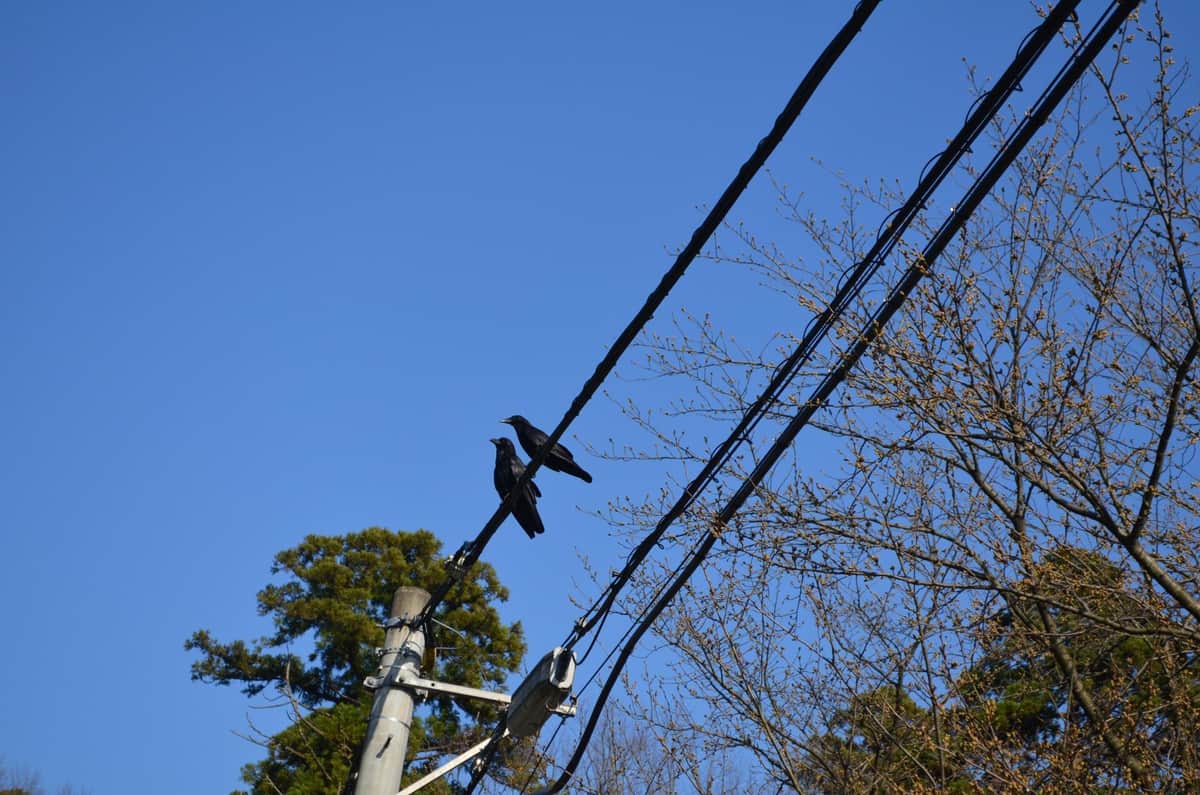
[(982, 111), (1082, 57), (469, 553)]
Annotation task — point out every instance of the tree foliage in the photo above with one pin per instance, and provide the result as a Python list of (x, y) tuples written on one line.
[(326, 609), (23, 781)]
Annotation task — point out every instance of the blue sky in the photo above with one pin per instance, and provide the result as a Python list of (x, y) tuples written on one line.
[(274, 269)]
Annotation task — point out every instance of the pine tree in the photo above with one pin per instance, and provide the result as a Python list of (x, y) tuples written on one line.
[(327, 610)]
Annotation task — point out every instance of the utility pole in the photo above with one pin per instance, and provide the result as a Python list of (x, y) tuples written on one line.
[(382, 763)]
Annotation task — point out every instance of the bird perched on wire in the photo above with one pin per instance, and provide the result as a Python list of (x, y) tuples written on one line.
[(509, 469), (533, 439)]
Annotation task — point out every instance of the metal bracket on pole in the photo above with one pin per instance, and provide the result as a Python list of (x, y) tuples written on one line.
[(434, 775), (400, 621), (408, 680), (428, 687)]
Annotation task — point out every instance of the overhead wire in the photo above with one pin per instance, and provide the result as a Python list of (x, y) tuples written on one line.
[(562, 720), (979, 115), (932, 175), (1067, 76), (469, 553), (959, 216)]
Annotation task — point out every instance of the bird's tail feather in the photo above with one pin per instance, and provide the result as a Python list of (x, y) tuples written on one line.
[(574, 469)]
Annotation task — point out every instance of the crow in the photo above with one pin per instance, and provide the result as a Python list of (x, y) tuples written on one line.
[(534, 439), (509, 469)]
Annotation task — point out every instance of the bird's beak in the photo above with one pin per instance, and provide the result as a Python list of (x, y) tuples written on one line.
[(495, 442), (507, 420)]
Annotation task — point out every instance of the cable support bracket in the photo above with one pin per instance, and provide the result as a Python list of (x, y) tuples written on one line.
[(457, 563)]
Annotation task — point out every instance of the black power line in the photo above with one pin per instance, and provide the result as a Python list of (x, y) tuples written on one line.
[(981, 113), (469, 553), (1066, 77)]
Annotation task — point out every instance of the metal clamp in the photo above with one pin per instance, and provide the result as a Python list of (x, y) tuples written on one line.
[(401, 621), (457, 563)]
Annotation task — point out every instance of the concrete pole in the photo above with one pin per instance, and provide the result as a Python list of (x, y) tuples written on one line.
[(382, 763)]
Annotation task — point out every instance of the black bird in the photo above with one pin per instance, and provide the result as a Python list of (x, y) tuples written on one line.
[(509, 469), (534, 439)]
